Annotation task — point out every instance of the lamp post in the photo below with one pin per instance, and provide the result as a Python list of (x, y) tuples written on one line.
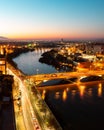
[(37, 70)]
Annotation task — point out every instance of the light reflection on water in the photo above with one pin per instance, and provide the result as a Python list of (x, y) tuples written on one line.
[(64, 95), (81, 90), (99, 89), (77, 105)]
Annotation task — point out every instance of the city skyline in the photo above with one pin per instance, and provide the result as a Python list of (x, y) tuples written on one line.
[(52, 19)]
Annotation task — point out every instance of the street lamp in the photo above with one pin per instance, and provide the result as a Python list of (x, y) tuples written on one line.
[(37, 70)]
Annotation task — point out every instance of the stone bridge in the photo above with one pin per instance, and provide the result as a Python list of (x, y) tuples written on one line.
[(64, 75)]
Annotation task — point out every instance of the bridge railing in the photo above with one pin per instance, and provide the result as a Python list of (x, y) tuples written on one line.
[(45, 116)]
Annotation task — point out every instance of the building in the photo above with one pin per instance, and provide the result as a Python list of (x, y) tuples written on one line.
[(2, 60)]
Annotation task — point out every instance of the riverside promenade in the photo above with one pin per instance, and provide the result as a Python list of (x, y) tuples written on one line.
[(31, 112)]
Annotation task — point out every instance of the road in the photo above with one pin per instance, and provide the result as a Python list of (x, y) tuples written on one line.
[(25, 116)]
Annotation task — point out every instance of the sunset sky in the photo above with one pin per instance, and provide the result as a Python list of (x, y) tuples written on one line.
[(52, 19)]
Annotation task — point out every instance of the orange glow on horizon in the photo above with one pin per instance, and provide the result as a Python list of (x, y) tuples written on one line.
[(48, 35)]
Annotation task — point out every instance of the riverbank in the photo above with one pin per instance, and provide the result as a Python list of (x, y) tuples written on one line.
[(16, 52)]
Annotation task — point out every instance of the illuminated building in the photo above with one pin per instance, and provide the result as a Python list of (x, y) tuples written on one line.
[(2, 60)]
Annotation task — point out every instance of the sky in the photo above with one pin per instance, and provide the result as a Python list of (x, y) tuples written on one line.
[(52, 19)]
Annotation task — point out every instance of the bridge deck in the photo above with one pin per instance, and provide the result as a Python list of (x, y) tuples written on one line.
[(41, 77)]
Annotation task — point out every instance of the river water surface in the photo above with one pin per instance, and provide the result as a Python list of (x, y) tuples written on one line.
[(78, 107)]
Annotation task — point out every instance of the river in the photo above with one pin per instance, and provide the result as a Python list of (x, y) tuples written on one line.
[(78, 107), (29, 63)]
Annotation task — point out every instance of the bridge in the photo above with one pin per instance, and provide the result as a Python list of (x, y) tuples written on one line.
[(45, 77)]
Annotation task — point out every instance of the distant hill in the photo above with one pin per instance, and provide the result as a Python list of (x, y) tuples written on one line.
[(3, 38)]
